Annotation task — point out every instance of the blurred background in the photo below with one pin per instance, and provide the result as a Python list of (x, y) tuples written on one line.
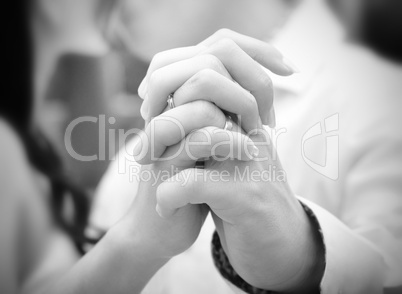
[(90, 56)]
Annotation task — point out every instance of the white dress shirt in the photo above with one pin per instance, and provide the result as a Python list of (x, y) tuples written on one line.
[(339, 139)]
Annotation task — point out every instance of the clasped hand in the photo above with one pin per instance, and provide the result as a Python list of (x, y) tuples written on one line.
[(264, 230)]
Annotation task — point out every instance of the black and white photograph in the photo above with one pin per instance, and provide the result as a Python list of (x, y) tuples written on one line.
[(201, 147)]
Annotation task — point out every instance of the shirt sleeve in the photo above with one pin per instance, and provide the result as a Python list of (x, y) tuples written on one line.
[(222, 263), (353, 264), (363, 241), (363, 235)]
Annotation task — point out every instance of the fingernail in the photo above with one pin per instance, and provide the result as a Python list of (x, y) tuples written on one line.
[(143, 88), (228, 124), (271, 119), (158, 210), (290, 65), (145, 109), (258, 127), (254, 151)]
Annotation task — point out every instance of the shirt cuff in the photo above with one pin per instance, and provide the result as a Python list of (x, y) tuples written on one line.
[(224, 267), (352, 263)]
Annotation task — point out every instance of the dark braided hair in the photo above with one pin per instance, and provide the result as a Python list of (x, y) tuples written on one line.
[(16, 107)]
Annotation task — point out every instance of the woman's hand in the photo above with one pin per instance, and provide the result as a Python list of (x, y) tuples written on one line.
[(211, 66)]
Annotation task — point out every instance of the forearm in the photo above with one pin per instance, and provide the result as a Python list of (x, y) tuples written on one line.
[(119, 263), (311, 255)]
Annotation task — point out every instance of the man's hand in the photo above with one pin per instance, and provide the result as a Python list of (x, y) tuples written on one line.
[(264, 230)]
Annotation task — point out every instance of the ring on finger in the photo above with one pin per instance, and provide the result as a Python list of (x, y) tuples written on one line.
[(228, 123), (170, 101)]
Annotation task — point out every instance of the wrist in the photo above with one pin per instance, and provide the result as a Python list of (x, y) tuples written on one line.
[(310, 249), (118, 263), (134, 245)]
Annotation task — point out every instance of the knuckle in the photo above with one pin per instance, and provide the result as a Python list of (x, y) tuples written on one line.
[(224, 32), (228, 45), (203, 78), (205, 107), (155, 79), (213, 62), (209, 112), (156, 58)]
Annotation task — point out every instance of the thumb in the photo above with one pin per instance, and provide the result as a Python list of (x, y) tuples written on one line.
[(190, 186)]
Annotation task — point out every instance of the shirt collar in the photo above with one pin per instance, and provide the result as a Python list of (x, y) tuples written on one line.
[(306, 39)]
